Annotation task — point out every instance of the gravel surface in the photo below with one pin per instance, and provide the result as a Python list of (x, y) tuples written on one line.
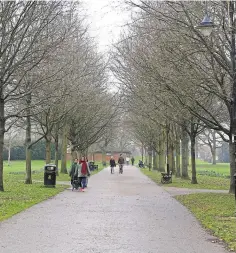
[(118, 213)]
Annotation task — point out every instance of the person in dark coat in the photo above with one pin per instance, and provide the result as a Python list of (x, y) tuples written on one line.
[(73, 173), (112, 164), (132, 161)]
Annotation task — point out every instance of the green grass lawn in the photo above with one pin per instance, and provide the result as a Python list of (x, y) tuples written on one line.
[(209, 176), (204, 182), (19, 196), (215, 212), (222, 168), (19, 166), (37, 167)]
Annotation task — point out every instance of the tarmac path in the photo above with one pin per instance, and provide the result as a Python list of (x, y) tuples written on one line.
[(118, 214)]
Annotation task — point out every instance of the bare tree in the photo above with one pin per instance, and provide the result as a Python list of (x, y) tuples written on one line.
[(23, 27), (197, 77)]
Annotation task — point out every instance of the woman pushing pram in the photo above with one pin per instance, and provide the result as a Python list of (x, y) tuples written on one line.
[(79, 174), (83, 173), (74, 175)]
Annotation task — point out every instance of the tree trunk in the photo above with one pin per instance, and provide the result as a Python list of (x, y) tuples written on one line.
[(177, 147), (167, 151), (48, 149), (9, 153), (28, 152), (142, 152), (56, 151), (185, 156), (196, 148), (214, 147), (170, 159), (149, 158), (104, 158), (154, 160), (146, 156), (173, 158), (2, 132), (193, 160), (232, 167), (28, 178), (64, 150), (161, 154)]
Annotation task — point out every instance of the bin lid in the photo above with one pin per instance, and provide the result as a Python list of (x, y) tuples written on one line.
[(50, 165)]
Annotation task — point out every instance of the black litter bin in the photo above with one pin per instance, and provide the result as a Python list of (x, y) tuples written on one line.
[(50, 173)]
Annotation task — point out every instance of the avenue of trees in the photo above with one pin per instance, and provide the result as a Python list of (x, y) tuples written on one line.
[(177, 82), (53, 81)]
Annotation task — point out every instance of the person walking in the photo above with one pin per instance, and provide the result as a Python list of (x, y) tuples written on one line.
[(121, 162), (112, 164), (83, 173), (132, 161), (127, 160), (73, 171)]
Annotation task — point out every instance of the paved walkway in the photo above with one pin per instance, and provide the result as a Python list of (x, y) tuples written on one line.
[(118, 214)]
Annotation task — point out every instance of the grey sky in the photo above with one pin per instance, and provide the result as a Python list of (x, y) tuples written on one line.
[(107, 18)]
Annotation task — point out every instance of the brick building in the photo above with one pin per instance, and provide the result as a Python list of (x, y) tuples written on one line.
[(97, 156)]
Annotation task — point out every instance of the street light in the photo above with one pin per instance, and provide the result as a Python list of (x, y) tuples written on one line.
[(206, 26)]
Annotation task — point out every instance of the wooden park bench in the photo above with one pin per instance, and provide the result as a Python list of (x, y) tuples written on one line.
[(166, 178)]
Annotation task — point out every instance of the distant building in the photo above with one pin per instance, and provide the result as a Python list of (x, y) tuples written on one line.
[(97, 156)]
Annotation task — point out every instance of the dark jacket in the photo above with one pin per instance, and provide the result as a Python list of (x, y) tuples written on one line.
[(73, 170), (121, 160), (112, 163)]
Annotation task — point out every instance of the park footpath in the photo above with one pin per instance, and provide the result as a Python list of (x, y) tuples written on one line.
[(118, 213)]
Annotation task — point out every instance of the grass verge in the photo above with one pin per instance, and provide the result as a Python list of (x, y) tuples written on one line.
[(37, 170), (19, 196), (204, 182), (215, 212)]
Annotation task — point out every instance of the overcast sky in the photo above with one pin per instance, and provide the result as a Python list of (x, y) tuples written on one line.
[(107, 18)]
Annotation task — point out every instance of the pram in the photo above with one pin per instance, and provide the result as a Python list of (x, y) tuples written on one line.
[(75, 182)]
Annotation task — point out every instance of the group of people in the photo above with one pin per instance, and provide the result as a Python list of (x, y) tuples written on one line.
[(121, 162), (80, 171), (127, 160)]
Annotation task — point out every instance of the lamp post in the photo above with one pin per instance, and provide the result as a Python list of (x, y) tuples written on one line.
[(206, 27), (167, 150)]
